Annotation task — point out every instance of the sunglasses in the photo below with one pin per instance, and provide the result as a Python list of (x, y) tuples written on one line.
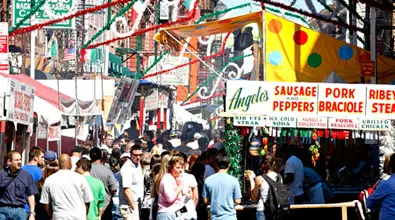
[(137, 155)]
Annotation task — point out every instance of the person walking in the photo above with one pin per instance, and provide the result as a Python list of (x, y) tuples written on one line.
[(16, 189), (222, 191), (103, 173), (132, 185), (66, 194), (83, 167), (170, 202)]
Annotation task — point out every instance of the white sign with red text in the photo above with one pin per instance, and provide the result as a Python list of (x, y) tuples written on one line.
[(343, 123), (21, 99), (312, 122), (380, 101), (4, 67)]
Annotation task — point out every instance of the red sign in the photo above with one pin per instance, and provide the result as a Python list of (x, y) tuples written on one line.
[(4, 47), (367, 68)]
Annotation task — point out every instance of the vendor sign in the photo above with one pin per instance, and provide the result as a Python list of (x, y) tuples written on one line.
[(339, 100), (374, 125), (158, 98), (281, 121), (380, 101), (343, 123), (309, 100), (312, 122), (249, 121), (21, 99)]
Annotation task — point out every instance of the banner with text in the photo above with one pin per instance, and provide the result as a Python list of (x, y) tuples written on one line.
[(326, 100)]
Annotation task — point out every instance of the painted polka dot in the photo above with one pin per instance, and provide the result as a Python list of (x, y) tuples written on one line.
[(275, 26), (345, 52), (314, 60), (300, 37), (275, 58)]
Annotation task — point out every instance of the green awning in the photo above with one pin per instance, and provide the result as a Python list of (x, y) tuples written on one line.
[(116, 67)]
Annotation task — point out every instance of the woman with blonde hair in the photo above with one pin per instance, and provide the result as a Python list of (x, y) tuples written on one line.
[(51, 168), (170, 203)]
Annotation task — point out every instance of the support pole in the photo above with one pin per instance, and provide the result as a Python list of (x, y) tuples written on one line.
[(373, 52)]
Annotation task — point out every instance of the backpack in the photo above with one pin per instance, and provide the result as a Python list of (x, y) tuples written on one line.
[(277, 198)]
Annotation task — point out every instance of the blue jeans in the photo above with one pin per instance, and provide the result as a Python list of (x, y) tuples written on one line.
[(166, 216), (260, 215), (10, 213)]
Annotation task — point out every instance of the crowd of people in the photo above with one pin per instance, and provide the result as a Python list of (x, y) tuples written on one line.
[(147, 178)]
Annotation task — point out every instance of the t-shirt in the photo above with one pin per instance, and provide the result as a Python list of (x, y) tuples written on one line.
[(104, 174), (208, 171), (189, 184), (68, 192), (222, 189), (168, 201), (99, 195), (34, 171), (132, 178), (295, 166), (74, 161)]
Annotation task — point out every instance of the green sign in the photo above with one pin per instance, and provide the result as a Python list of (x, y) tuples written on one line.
[(52, 9)]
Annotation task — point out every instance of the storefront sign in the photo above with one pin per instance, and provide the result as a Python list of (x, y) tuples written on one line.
[(159, 98), (4, 48), (309, 100), (249, 121), (175, 77), (281, 121), (21, 99), (374, 125), (21, 8), (53, 133), (343, 123), (312, 122)]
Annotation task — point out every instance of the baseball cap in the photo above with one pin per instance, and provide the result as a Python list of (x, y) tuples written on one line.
[(50, 155)]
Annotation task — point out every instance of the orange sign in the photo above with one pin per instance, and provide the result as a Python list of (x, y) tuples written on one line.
[(367, 68)]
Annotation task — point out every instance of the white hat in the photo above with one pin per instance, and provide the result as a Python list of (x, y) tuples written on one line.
[(197, 136), (125, 155)]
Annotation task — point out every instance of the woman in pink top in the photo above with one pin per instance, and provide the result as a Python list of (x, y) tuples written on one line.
[(170, 191)]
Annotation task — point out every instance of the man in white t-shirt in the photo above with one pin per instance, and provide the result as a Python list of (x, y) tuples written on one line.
[(294, 176), (190, 193), (108, 143), (76, 154), (132, 185), (195, 145), (66, 194)]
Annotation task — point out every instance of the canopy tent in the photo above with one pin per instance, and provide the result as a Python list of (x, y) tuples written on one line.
[(46, 102), (293, 53), (333, 78)]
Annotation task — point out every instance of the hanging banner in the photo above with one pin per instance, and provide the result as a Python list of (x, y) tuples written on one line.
[(175, 77), (249, 121), (343, 123), (258, 98), (21, 99), (121, 107), (312, 122), (281, 121), (53, 133), (374, 125), (4, 66)]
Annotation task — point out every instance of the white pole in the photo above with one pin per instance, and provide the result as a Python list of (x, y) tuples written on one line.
[(32, 54), (106, 56), (373, 55)]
